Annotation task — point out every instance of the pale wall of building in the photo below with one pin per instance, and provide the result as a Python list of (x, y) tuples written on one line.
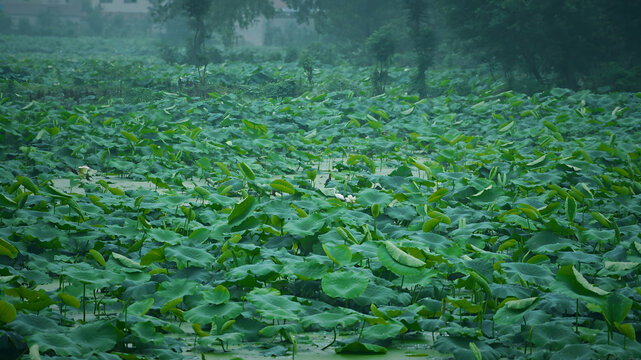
[(123, 6)]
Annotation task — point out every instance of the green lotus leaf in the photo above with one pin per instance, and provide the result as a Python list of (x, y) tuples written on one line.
[(278, 307), (246, 171), (572, 283), (388, 261), (437, 195), (344, 284), (538, 274), (154, 255), (553, 336), (145, 332), (171, 304), (402, 257), (28, 184), (215, 340), (616, 308), (380, 332), (283, 186), (204, 314), (189, 256), (127, 262), (513, 311), (440, 216), (59, 343), (369, 197), (200, 235), (273, 330), (576, 352), (241, 210), (177, 287), (6, 202), (546, 242), (601, 219), (430, 224), (357, 347), (570, 208), (97, 336), (307, 270), (618, 268), (331, 319), (218, 295), (306, 226), (140, 307), (506, 126), (339, 254)]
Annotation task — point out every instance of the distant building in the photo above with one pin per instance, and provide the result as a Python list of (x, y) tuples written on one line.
[(140, 7), (34, 11), (275, 31), (114, 17)]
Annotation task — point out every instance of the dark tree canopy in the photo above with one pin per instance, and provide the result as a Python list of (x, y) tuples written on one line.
[(207, 17), (570, 43), (353, 20), (567, 39)]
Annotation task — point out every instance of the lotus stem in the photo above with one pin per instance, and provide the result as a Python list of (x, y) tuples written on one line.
[(84, 287), (333, 341)]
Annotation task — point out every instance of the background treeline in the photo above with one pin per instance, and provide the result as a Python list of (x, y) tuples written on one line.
[(51, 22), (532, 44)]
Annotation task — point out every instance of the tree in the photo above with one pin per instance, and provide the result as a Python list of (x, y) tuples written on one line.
[(381, 45), (559, 41), (422, 38), (353, 20), (206, 17)]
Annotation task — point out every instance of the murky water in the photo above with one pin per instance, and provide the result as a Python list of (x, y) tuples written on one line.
[(310, 348), (324, 169)]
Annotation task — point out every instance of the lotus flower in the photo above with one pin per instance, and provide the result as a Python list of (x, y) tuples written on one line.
[(84, 170)]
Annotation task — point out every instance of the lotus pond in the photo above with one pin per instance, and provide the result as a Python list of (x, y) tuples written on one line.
[(478, 224)]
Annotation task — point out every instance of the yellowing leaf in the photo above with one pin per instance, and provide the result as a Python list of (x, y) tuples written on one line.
[(199, 331), (7, 249), (430, 224), (131, 137), (440, 216), (171, 304), (601, 219), (437, 195), (283, 185), (69, 300), (97, 256), (7, 312)]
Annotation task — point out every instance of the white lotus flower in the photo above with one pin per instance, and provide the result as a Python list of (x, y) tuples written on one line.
[(84, 170), (350, 199), (339, 197)]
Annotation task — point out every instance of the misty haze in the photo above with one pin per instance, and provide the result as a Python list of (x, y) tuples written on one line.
[(315, 179)]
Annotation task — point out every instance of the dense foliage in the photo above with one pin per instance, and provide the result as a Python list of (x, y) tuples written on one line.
[(574, 44), (486, 223)]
